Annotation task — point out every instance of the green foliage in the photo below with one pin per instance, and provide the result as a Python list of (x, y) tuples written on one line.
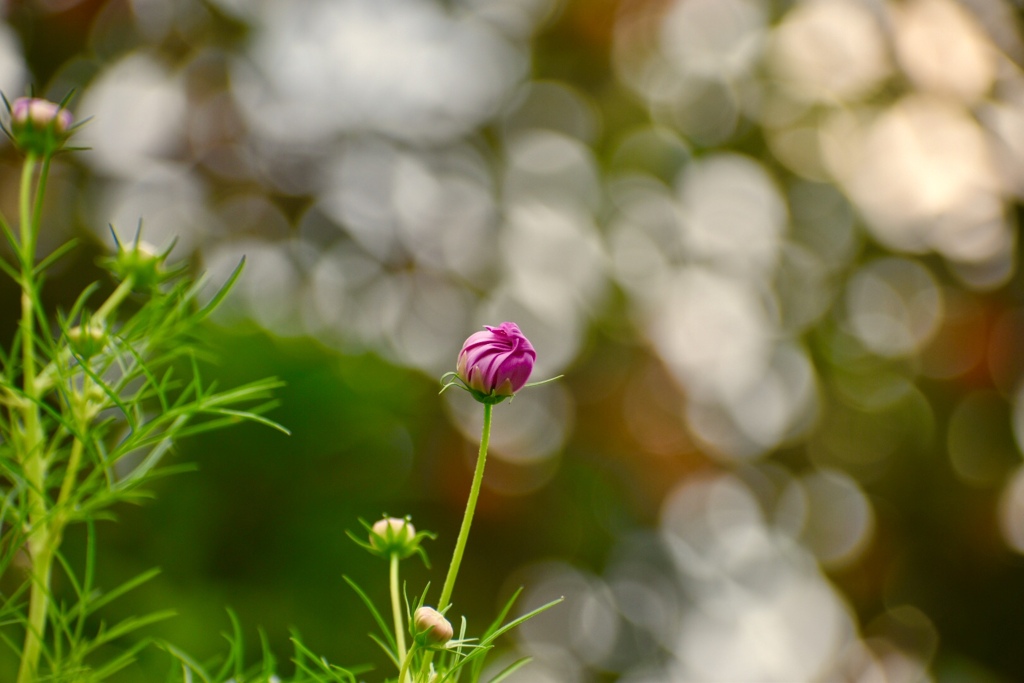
[(467, 655), (78, 649), (308, 667), (462, 656), (92, 399)]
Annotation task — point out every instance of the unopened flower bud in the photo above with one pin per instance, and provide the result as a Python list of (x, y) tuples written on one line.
[(495, 364), (139, 261), (38, 125), (87, 340), (392, 535), (431, 627)]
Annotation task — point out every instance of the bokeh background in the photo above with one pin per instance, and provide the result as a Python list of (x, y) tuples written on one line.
[(771, 244)]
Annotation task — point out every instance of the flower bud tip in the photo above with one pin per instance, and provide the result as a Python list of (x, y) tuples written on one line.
[(431, 627), (496, 363)]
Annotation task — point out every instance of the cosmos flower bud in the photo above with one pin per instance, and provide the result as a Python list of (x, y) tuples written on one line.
[(87, 340), (38, 125), (496, 363), (393, 535), (141, 262), (431, 627)]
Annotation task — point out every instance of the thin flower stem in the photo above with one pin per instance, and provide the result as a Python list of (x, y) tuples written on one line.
[(70, 473), (28, 352), (40, 541), (27, 226), (37, 210), (467, 518), (406, 661), (396, 614), (467, 522), (114, 300)]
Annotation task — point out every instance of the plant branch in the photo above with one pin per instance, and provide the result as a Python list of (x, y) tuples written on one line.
[(32, 458), (396, 613)]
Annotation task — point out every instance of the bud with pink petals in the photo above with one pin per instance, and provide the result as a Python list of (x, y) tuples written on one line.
[(39, 126), (431, 627), (496, 363)]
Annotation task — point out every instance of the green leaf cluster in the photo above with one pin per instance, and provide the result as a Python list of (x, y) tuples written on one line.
[(92, 399)]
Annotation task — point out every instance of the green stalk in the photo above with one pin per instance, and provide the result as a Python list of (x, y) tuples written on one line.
[(467, 519), (42, 565), (467, 522), (71, 472), (404, 671), (113, 301), (28, 224), (37, 209), (40, 545), (396, 614), (31, 411)]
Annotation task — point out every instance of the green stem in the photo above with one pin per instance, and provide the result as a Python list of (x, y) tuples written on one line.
[(396, 614), (28, 238), (40, 541), (30, 413), (406, 661), (37, 210), (70, 473), (113, 301), (467, 519), (467, 522), (42, 564)]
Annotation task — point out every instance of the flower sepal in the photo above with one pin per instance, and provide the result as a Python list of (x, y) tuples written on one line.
[(393, 536), (87, 340), (450, 379), (140, 262)]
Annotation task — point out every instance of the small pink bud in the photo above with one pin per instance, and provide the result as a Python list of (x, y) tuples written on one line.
[(497, 362), (38, 125), (40, 113), (431, 627)]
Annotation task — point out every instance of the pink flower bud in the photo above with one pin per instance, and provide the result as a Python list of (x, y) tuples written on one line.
[(38, 125), (431, 627), (38, 113), (496, 362)]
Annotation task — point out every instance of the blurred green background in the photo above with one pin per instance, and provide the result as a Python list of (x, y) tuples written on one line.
[(772, 245)]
